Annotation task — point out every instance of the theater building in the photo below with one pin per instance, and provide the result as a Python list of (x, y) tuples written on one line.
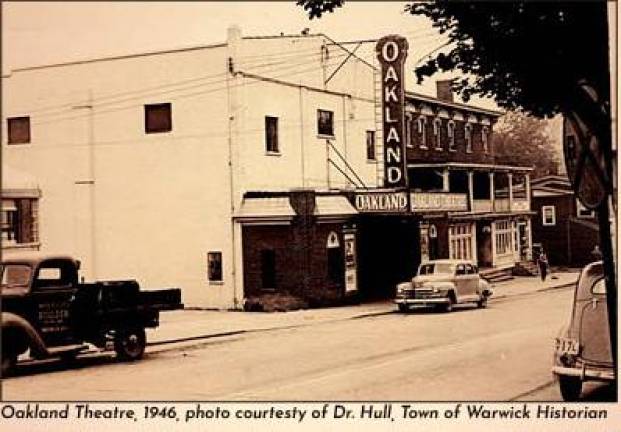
[(262, 166)]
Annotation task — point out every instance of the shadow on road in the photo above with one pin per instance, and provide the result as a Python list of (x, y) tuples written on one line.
[(35, 367), (600, 392)]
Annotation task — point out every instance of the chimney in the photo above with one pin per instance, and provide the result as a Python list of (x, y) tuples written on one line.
[(444, 91)]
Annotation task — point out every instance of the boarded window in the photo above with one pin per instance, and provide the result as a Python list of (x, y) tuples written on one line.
[(214, 266), (271, 134), (18, 129), (325, 122), (157, 118), (268, 269), (371, 145)]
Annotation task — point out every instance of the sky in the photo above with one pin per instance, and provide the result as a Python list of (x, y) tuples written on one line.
[(36, 33)]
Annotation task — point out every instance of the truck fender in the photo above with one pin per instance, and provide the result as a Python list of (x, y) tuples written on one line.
[(34, 342)]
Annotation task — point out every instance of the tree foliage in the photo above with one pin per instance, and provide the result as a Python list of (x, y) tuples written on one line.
[(527, 55), (520, 139)]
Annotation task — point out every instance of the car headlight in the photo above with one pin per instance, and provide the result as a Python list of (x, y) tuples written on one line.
[(435, 290)]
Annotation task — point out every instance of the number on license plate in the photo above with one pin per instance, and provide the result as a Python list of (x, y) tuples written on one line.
[(569, 346)]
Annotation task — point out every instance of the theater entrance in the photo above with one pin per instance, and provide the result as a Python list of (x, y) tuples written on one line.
[(388, 253)]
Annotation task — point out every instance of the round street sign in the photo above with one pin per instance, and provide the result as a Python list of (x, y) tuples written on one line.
[(584, 161)]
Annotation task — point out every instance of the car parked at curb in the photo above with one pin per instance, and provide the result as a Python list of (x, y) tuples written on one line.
[(443, 284), (582, 350)]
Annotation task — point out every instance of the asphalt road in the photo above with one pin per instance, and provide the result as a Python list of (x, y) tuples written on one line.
[(501, 353)]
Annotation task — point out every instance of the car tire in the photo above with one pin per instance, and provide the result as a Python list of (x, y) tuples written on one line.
[(482, 302), (448, 307), (570, 388), (9, 361), (129, 344), (403, 308)]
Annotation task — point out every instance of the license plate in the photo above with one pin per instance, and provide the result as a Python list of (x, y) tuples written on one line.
[(569, 346)]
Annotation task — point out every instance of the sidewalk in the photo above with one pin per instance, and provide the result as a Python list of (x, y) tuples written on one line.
[(192, 326)]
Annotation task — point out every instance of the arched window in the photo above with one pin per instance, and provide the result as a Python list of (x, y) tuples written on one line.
[(468, 137), (450, 132), (408, 130), (437, 123), (422, 125), (485, 138)]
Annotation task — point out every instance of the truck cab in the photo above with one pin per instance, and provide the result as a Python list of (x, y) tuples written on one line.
[(48, 312)]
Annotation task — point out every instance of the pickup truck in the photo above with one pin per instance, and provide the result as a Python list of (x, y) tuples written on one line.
[(47, 312)]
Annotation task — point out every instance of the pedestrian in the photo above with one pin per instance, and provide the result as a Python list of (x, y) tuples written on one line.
[(596, 253), (542, 262)]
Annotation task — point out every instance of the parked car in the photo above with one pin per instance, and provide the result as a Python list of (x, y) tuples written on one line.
[(582, 350), (444, 283), (48, 313)]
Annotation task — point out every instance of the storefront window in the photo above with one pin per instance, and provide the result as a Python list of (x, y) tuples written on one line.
[(461, 241), (504, 238)]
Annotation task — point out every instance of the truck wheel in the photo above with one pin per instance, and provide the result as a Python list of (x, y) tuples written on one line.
[(404, 308), (9, 361), (129, 344), (570, 387)]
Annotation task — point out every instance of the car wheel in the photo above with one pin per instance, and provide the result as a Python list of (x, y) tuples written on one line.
[(482, 302), (403, 308), (129, 344), (570, 387), (448, 307), (9, 361)]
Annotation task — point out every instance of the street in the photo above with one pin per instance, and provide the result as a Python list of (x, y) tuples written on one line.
[(502, 353)]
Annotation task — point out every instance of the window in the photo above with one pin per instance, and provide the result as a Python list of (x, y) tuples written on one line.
[(157, 118), (460, 270), (468, 137), (268, 269), (437, 123), (422, 123), (450, 132), (408, 130), (18, 130), (214, 266), (583, 212), (371, 145), (19, 221), (504, 237), (461, 238), (271, 134), (485, 138), (548, 214), (325, 123)]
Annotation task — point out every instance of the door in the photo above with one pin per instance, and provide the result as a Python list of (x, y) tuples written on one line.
[(593, 336), (53, 291)]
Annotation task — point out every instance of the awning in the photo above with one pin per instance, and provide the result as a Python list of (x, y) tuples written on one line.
[(18, 184), (333, 207), (273, 210)]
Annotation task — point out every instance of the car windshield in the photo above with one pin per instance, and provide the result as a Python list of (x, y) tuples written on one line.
[(15, 276), (435, 268)]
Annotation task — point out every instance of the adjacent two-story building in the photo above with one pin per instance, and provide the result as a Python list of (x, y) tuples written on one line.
[(250, 168)]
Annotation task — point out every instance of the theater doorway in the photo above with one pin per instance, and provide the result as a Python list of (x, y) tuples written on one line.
[(388, 253)]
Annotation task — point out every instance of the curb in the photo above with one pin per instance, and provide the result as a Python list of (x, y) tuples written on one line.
[(361, 315)]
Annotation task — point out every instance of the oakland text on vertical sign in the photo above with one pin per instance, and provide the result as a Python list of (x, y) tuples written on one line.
[(391, 52)]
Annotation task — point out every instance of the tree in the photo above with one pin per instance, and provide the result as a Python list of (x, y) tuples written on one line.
[(524, 54), (544, 58), (520, 139)]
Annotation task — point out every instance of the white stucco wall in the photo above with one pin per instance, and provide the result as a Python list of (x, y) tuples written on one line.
[(150, 206)]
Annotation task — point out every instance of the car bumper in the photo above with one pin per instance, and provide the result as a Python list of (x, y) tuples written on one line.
[(585, 373), (422, 301)]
